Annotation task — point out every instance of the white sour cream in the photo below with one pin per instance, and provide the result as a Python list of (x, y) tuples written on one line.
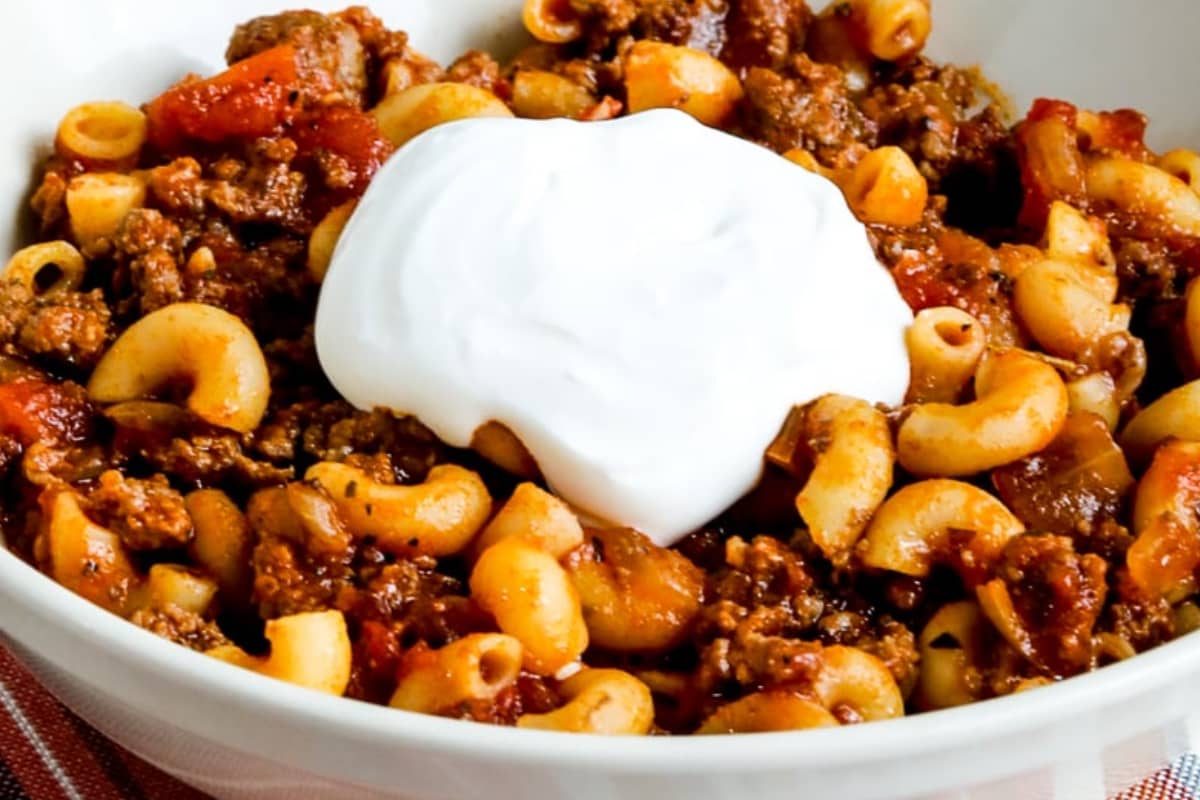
[(641, 301)]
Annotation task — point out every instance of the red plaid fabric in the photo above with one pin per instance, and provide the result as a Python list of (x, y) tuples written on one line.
[(48, 753)]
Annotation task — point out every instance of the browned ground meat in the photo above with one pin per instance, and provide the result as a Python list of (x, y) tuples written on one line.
[(49, 201), (182, 627), (303, 561), (261, 188), (938, 266), (531, 694), (339, 430), (157, 280), (391, 590), (265, 189), (1058, 596), (391, 62), (325, 43), (755, 612), (693, 23), (289, 580), (806, 105), (201, 459), (380, 42), (147, 514), (156, 255), (177, 187), (921, 111), (66, 328), (896, 646), (754, 657), (1108, 539), (14, 310), (146, 230), (418, 601), (764, 33), (1148, 269), (766, 572), (10, 452), (1143, 622), (149, 246), (50, 465), (1070, 487), (766, 617), (477, 68), (607, 18)]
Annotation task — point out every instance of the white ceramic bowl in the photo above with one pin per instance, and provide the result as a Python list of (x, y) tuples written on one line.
[(238, 735)]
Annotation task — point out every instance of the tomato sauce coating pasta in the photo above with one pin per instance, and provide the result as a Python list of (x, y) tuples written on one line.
[(229, 501)]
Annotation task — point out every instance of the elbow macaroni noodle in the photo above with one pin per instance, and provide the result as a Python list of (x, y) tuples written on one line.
[(886, 188), (474, 668), (1067, 308), (1072, 236), (766, 711), (1183, 164), (85, 557), (551, 21), (891, 30), (103, 133), (1097, 394), (437, 518), (538, 94), (945, 345), (411, 112), (311, 650), (532, 598), (537, 517), (856, 679), (97, 204), (1137, 188), (1163, 558), (1020, 406), (173, 585), (498, 444), (950, 644), (1066, 299), (209, 347), (847, 678), (324, 238), (661, 75), (635, 596), (221, 541), (27, 265), (851, 475), (912, 529), (605, 701), (1174, 415)]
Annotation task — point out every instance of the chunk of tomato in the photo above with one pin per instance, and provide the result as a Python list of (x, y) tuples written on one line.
[(348, 133), (255, 97), (39, 411)]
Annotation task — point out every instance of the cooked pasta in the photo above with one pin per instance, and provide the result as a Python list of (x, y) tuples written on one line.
[(171, 450)]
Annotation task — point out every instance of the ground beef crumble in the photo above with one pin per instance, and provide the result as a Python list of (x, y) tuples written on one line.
[(147, 514), (182, 627)]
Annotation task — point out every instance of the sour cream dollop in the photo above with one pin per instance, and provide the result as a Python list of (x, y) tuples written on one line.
[(640, 301)]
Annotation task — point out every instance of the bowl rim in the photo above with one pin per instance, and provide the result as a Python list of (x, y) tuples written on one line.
[(945, 729)]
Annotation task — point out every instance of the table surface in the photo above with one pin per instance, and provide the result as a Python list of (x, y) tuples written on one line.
[(48, 753)]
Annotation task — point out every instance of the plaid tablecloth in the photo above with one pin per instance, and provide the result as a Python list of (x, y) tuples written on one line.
[(48, 753)]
